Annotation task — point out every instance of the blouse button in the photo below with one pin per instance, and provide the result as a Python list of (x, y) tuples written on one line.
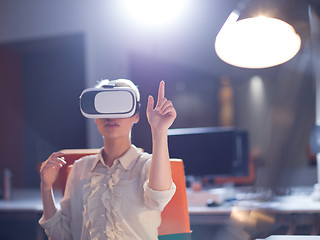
[(102, 215)]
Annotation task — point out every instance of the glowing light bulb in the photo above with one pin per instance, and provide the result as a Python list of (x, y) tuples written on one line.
[(258, 42)]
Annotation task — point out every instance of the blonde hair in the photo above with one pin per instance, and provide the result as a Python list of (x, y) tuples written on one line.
[(120, 83)]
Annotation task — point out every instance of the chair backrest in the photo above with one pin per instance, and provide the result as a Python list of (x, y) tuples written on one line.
[(71, 155), (175, 216)]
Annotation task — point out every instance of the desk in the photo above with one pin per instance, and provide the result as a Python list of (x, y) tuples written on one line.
[(23, 200), (201, 214), (279, 237), (288, 210), (293, 210), (25, 207)]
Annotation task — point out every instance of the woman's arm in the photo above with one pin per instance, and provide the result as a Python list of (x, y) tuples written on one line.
[(160, 119), (49, 172)]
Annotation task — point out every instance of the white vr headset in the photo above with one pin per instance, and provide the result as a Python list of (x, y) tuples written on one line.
[(108, 102)]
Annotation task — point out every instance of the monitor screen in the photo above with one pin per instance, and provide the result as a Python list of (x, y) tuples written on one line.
[(210, 151)]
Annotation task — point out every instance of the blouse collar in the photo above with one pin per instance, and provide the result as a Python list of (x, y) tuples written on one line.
[(126, 160)]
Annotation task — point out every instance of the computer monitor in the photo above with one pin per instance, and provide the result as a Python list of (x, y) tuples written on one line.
[(211, 151)]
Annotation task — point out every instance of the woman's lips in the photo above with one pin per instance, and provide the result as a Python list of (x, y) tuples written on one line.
[(111, 124)]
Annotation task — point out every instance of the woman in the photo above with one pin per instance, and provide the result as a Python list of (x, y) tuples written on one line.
[(119, 193)]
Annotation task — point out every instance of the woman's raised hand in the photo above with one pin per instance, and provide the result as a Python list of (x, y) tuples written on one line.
[(163, 115), (50, 169)]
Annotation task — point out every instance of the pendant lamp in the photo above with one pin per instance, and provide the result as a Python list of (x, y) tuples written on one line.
[(255, 35)]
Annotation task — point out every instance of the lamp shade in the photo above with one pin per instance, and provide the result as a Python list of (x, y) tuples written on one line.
[(256, 42)]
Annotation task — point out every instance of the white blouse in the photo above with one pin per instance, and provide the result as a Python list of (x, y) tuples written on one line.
[(109, 203)]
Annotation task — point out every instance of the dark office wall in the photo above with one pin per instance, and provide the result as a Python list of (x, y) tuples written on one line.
[(11, 127), (52, 78), (193, 93)]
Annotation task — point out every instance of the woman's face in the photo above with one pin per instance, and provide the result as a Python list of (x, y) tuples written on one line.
[(113, 128)]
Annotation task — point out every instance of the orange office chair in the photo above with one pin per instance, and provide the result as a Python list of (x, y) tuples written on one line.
[(175, 222)]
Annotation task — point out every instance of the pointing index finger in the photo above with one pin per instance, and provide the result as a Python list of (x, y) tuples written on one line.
[(161, 91)]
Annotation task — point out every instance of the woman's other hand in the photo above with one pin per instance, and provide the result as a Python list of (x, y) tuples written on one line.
[(50, 169)]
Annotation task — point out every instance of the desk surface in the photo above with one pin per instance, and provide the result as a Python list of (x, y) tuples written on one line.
[(291, 237), (298, 202), (27, 200)]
